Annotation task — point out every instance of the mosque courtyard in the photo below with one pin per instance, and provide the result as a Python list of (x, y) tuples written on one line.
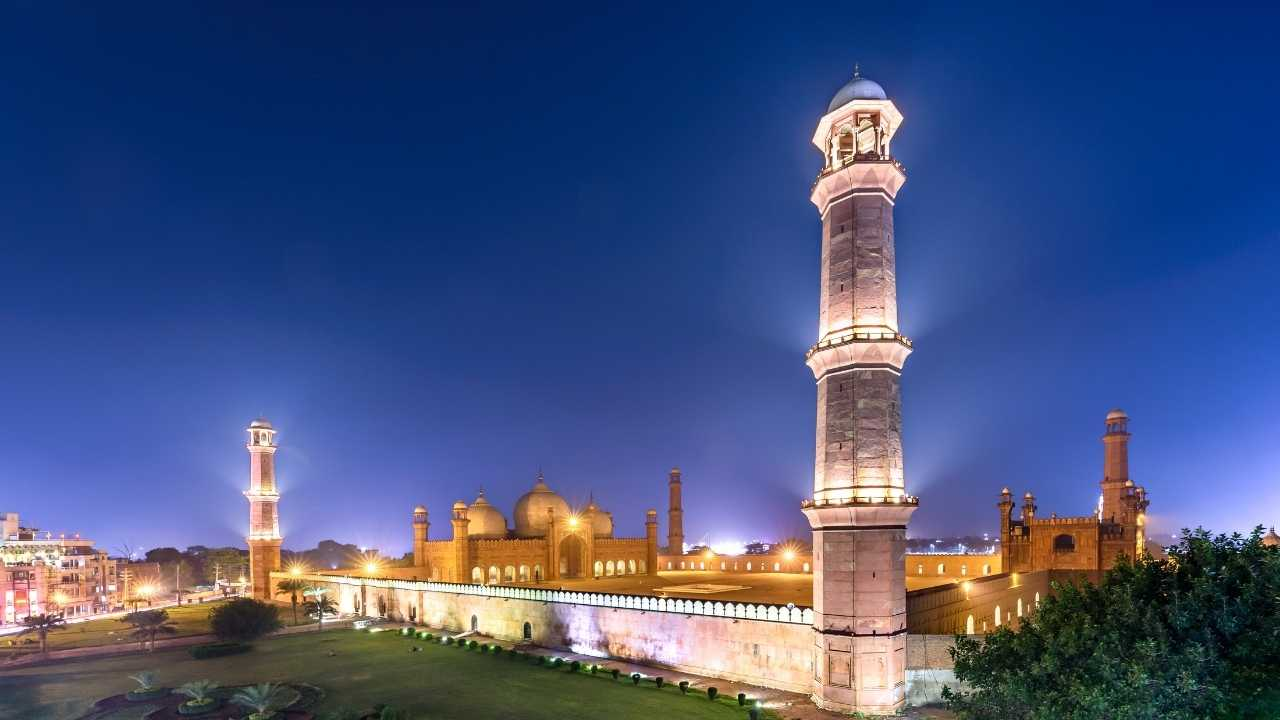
[(761, 587)]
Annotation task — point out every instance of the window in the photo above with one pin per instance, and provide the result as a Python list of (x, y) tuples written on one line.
[(806, 567), (968, 625), (748, 567), (1064, 543), (528, 632), (986, 569), (475, 623), (776, 567), (997, 616), (1019, 607), (942, 569), (964, 570), (919, 568)]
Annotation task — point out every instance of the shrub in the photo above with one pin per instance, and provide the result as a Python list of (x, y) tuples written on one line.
[(635, 678), (542, 660), (712, 692), (557, 662), (742, 699), (659, 681), (407, 632), (473, 645), (614, 672), (390, 713), (753, 713), (448, 640), (214, 650), (514, 654), (575, 666), (684, 687), (594, 668), (244, 619)]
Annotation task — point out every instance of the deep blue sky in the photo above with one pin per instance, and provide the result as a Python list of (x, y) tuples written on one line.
[(440, 248)]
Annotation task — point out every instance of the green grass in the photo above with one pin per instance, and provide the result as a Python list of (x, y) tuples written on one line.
[(439, 682), (189, 619)]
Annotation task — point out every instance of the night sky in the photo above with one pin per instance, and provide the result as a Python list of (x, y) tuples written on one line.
[(442, 248)]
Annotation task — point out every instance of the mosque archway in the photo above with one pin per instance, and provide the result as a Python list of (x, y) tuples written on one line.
[(608, 568), (494, 576), (631, 567), (477, 576), (509, 574), (572, 552), (528, 632), (598, 569), (537, 573), (968, 626), (524, 573), (475, 624)]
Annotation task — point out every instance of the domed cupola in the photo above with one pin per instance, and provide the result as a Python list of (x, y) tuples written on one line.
[(859, 88), (602, 524), (531, 509), (486, 520), (1271, 539)]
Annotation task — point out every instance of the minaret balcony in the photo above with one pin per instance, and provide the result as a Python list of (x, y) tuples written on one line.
[(857, 173), (866, 348)]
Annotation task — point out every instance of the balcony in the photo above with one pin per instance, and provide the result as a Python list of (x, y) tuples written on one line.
[(859, 337)]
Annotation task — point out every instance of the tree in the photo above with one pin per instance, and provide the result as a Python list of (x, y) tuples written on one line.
[(163, 555), (1189, 638), (200, 692), (257, 698), (319, 606), (292, 586), (42, 625), (244, 619), (149, 623)]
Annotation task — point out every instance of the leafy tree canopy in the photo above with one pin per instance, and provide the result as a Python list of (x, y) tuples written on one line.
[(1195, 637), (244, 619)]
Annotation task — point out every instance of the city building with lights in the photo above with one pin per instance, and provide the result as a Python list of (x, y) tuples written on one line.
[(43, 573)]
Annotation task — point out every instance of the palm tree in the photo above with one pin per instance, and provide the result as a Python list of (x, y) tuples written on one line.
[(258, 698), (146, 681), (292, 586), (321, 605), (149, 623), (41, 625), (200, 691)]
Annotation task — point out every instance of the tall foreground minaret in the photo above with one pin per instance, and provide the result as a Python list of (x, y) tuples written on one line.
[(860, 506), (264, 526)]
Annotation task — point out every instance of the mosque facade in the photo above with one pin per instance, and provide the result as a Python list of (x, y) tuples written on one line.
[(547, 541)]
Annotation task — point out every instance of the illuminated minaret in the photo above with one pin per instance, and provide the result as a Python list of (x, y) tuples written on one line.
[(675, 514), (264, 525), (860, 507)]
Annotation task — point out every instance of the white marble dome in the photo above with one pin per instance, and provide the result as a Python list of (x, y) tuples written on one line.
[(531, 510), (486, 521)]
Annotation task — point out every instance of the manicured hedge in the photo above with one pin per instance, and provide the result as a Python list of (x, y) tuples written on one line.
[(213, 650)]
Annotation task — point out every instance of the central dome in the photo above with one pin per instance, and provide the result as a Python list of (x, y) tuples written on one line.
[(859, 88), (531, 509), (486, 521)]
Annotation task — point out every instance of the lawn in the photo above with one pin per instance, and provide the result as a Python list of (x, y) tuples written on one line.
[(365, 669), (188, 619)]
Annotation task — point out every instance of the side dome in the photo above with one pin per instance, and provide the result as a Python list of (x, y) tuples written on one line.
[(602, 522), (859, 88), (531, 510), (1271, 539), (260, 422), (486, 520)]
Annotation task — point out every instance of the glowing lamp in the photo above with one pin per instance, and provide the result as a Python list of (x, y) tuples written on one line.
[(370, 567), (573, 521), (789, 555)]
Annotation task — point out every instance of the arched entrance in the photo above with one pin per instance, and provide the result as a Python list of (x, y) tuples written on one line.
[(528, 632), (475, 623), (571, 551)]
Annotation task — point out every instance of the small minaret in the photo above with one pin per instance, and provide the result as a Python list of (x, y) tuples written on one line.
[(1115, 468), (860, 506), (1006, 526), (651, 541), (1028, 508), (264, 499), (461, 544), (675, 515), (420, 527)]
